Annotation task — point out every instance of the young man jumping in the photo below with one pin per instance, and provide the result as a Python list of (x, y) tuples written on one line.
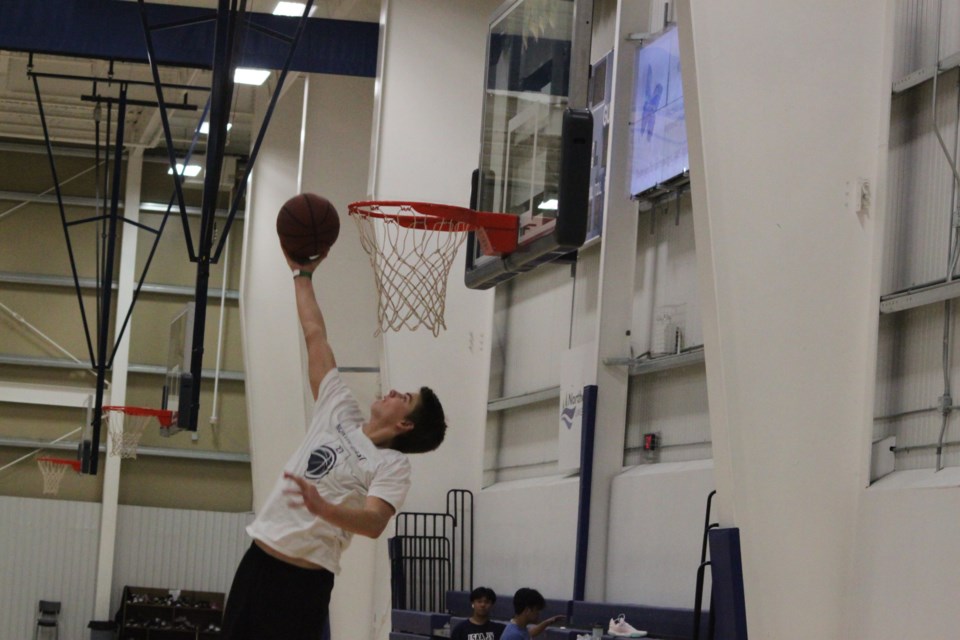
[(349, 476)]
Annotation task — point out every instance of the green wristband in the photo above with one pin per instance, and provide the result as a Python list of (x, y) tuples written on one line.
[(302, 273)]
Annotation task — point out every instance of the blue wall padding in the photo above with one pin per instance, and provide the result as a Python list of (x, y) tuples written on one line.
[(726, 568), (400, 635), (458, 603), (112, 30), (587, 430), (417, 621)]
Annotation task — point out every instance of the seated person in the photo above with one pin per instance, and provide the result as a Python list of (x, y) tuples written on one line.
[(479, 626), (527, 604)]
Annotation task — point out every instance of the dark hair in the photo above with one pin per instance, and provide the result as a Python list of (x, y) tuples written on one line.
[(429, 425), (526, 598), (483, 592)]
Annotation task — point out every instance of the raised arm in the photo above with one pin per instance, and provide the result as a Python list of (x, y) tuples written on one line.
[(320, 358), (541, 626)]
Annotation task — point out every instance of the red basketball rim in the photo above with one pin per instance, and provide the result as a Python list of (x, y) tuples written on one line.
[(74, 464), (497, 231), (163, 416), (417, 215)]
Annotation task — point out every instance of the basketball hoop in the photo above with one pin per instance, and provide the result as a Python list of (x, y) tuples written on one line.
[(411, 247), (53, 470), (127, 424)]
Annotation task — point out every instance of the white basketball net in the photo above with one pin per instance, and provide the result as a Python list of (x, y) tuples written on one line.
[(53, 473), (410, 268), (125, 432)]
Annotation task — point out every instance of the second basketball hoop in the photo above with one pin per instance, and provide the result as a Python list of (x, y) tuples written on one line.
[(411, 247), (127, 424)]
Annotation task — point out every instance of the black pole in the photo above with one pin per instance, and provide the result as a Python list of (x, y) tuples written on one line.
[(221, 95), (706, 527), (234, 205), (90, 464), (698, 601), (704, 563)]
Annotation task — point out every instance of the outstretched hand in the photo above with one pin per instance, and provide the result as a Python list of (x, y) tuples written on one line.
[(309, 266), (304, 494)]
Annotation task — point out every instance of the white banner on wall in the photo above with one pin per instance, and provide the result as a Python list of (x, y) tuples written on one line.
[(579, 369)]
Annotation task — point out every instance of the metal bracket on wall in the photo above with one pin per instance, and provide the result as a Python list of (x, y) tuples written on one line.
[(646, 364), (919, 297)]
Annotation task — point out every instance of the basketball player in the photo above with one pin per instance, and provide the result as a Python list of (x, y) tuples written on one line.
[(349, 476)]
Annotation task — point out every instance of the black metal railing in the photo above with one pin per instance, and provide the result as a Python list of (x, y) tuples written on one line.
[(432, 553)]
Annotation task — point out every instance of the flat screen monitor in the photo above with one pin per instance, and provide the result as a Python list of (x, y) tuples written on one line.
[(658, 127)]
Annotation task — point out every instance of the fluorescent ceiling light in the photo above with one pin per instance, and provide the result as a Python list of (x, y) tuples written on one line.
[(205, 128), (549, 205), (255, 77), (190, 171), (292, 9)]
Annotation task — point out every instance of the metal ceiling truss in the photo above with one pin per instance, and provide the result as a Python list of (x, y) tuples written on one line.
[(232, 24)]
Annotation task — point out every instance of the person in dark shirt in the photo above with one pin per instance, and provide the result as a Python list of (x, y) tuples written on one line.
[(479, 626)]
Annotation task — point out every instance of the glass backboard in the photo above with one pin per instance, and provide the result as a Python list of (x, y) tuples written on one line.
[(178, 387), (528, 130)]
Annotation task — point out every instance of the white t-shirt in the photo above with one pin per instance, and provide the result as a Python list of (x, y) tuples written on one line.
[(345, 466)]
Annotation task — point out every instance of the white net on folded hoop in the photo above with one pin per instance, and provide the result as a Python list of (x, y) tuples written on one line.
[(53, 470), (126, 426), (411, 254)]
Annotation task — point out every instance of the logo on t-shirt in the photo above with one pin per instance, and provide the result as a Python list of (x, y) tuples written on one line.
[(321, 462)]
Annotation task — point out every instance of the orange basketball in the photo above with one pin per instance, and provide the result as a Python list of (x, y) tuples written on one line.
[(307, 225)]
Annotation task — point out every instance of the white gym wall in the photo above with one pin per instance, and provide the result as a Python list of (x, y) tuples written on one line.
[(786, 102), (427, 146)]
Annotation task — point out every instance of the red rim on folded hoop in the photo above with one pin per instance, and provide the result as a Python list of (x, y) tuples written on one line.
[(411, 246), (497, 232), (127, 424), (163, 416), (53, 470)]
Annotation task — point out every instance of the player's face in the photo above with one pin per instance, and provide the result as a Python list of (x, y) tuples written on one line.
[(481, 607), (395, 406)]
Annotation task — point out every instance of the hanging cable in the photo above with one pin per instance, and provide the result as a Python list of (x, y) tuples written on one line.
[(953, 250), (24, 203), (954, 213), (951, 160), (214, 415), (19, 318), (946, 400)]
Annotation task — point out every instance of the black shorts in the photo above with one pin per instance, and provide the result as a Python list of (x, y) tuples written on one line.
[(273, 600)]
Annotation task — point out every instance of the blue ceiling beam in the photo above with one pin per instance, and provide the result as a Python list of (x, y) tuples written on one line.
[(111, 30)]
